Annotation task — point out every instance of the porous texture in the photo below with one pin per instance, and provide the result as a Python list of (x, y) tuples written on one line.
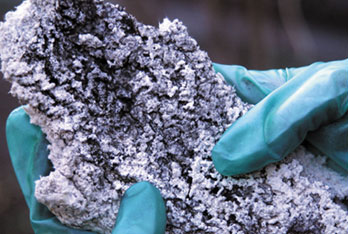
[(122, 102)]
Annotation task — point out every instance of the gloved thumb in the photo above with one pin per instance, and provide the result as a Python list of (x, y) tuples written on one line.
[(142, 211), (281, 121)]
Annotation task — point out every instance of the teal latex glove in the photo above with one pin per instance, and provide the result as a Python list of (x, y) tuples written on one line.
[(292, 105), (142, 208)]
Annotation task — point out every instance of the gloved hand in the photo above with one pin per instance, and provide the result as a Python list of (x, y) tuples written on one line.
[(142, 208), (308, 103)]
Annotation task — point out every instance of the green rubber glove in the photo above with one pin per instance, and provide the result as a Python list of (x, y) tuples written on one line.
[(142, 208), (292, 105)]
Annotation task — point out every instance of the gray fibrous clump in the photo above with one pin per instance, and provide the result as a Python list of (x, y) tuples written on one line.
[(122, 102)]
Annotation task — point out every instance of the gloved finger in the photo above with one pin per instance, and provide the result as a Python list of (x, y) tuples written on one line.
[(332, 140), (142, 211), (281, 121), (253, 85), (28, 151), (26, 148), (336, 167)]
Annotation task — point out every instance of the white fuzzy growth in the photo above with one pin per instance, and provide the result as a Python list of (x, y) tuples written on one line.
[(122, 102), (165, 26)]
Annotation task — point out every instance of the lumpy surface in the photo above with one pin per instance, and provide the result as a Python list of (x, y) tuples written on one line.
[(122, 102)]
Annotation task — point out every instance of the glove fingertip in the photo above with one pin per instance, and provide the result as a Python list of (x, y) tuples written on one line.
[(142, 210)]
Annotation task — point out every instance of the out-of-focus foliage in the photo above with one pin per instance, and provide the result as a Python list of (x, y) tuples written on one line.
[(258, 34)]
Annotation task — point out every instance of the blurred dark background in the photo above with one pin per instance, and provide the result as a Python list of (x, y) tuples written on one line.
[(259, 34)]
